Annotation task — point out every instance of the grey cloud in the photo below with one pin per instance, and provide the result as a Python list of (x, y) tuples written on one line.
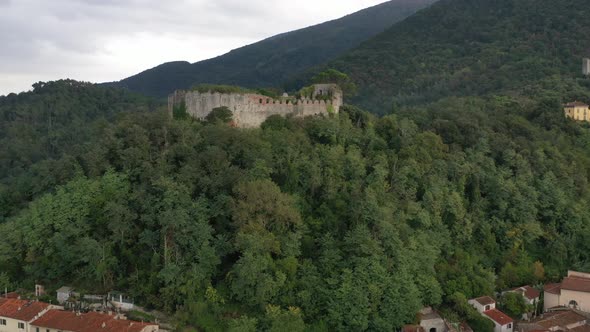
[(46, 38)]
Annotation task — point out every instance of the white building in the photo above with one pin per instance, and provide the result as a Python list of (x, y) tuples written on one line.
[(482, 304), (64, 293), (486, 306), (573, 292), (586, 66)]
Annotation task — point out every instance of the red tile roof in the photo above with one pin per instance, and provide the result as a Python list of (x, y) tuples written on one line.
[(576, 284), (22, 310), (560, 319), (552, 288), (485, 300), (576, 103), (88, 322), (528, 292), (498, 317), (583, 328)]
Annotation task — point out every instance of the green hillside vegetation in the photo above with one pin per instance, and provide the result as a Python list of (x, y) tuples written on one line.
[(342, 223), (42, 132), (273, 60), (474, 47)]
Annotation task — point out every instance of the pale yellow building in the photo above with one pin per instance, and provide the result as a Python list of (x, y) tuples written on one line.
[(578, 111)]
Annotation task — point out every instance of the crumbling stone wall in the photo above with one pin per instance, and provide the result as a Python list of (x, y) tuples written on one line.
[(251, 110)]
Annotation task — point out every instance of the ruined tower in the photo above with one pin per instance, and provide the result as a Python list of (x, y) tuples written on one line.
[(586, 66)]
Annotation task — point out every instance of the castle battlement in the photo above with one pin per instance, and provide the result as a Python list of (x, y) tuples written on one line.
[(251, 109)]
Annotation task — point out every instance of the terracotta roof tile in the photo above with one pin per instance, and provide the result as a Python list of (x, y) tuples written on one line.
[(552, 288), (498, 317), (88, 322), (485, 300), (22, 310), (583, 328), (562, 319), (576, 284), (528, 292)]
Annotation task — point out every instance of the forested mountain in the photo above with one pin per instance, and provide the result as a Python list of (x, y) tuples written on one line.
[(270, 62), (473, 47), (472, 182), (343, 223)]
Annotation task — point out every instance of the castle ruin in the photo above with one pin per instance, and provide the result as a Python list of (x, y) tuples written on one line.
[(250, 110)]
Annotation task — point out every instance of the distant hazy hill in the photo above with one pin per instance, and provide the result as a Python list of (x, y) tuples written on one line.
[(274, 60), (473, 47)]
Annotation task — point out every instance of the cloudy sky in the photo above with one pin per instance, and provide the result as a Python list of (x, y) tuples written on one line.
[(107, 40)]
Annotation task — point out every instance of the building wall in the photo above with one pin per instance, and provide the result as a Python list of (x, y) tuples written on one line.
[(505, 328), (481, 308), (438, 324), (12, 325), (551, 300), (578, 113), (582, 298), (251, 110)]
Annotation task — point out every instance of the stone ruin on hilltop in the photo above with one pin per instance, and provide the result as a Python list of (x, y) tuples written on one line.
[(250, 110)]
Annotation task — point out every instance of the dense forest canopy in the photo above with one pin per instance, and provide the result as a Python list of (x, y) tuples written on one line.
[(470, 182), (348, 222), (474, 47)]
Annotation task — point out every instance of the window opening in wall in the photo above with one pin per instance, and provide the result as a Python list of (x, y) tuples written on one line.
[(260, 101), (488, 307), (268, 101), (433, 329)]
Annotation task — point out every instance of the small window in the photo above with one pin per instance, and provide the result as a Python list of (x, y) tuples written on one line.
[(488, 307), (260, 101), (433, 329), (268, 101), (573, 304), (21, 326), (3, 322), (37, 329), (510, 325)]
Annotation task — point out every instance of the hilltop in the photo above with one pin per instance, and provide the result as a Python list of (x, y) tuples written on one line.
[(473, 47), (271, 61)]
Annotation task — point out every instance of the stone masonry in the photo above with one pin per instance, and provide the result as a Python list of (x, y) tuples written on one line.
[(250, 110)]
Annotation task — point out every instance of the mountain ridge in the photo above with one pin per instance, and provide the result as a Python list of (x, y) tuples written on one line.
[(274, 60)]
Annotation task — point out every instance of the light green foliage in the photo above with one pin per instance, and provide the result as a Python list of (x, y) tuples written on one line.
[(243, 324), (514, 305)]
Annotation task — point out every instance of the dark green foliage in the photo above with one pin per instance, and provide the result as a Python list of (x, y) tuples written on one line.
[(220, 114), (274, 60), (474, 47), (213, 88)]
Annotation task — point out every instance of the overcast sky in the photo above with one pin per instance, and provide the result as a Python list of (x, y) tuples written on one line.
[(107, 40)]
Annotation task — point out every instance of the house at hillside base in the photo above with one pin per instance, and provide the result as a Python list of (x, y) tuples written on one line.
[(558, 320), (486, 306), (573, 292)]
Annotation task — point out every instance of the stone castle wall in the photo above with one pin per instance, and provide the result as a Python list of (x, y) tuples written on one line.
[(251, 110)]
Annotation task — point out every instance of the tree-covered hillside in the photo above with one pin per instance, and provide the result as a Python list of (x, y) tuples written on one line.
[(344, 223), (474, 47), (272, 61), (43, 130)]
